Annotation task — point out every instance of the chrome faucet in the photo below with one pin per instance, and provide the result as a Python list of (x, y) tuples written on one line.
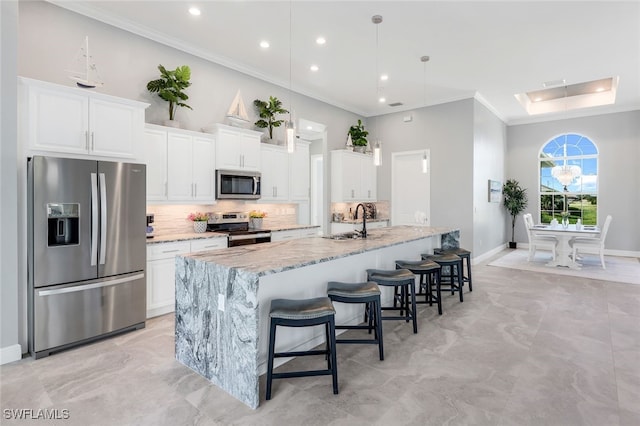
[(364, 219)]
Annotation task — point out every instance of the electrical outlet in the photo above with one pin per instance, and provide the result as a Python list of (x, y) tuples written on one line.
[(221, 302)]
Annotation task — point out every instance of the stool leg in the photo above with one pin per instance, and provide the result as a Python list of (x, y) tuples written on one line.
[(438, 293), (413, 307), (272, 345), (369, 307), (429, 289), (379, 327), (460, 280), (328, 346), (334, 362), (469, 272)]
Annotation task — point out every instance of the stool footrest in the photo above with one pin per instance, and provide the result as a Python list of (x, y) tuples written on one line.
[(371, 341), (299, 353), (354, 327), (292, 374)]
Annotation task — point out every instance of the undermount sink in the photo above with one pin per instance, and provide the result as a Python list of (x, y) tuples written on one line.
[(344, 236)]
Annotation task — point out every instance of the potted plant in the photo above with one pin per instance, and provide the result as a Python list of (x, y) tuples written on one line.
[(515, 201), (267, 112), (170, 87), (358, 136), (255, 218), (199, 221)]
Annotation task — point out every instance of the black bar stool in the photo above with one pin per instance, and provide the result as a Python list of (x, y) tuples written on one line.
[(367, 293), (454, 264), (429, 272), (405, 280), (466, 257), (303, 313)]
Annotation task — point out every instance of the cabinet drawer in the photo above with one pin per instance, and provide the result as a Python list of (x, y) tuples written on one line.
[(167, 250), (208, 244), (309, 232), (285, 235)]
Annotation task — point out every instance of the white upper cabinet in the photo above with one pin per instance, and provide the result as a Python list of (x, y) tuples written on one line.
[(353, 177), (236, 148), (70, 120), (274, 184), (180, 164)]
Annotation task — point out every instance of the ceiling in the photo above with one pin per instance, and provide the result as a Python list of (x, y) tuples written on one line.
[(490, 50)]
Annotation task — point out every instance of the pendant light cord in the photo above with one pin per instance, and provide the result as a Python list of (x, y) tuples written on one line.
[(290, 58)]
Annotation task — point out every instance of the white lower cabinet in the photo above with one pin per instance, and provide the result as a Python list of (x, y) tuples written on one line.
[(161, 271), (294, 234)]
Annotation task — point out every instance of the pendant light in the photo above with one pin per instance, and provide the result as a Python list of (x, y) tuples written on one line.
[(290, 128), (377, 147), (424, 59)]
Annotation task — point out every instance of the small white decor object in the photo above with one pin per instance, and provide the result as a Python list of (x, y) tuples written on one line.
[(237, 115), (84, 71), (199, 226)]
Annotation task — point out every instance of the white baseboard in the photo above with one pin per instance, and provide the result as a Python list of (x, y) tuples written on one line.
[(10, 354), (488, 254)]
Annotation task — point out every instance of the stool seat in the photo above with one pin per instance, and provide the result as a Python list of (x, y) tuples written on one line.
[(459, 251), (442, 258), (389, 277), (301, 309), (365, 289), (417, 265)]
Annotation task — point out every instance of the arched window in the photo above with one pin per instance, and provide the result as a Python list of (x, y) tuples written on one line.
[(577, 193)]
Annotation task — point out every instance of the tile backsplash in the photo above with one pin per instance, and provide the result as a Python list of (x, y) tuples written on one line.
[(382, 209), (172, 219)]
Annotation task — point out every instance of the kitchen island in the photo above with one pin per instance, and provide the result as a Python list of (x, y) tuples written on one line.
[(223, 297)]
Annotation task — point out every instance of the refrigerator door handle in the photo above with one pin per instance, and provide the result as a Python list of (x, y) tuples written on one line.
[(103, 219), (99, 284), (94, 219)]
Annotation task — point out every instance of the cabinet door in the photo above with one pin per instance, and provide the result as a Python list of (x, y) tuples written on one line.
[(228, 150), (161, 294), (299, 173), (179, 166), (292, 234), (114, 128), (250, 152), (203, 169), (275, 174), (351, 175), (368, 179), (155, 144), (57, 121)]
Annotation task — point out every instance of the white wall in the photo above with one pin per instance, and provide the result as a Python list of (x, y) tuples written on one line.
[(489, 151), (9, 314), (447, 131), (617, 137)]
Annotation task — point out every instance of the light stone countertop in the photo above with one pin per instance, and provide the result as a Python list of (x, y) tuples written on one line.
[(174, 237), (360, 220), (271, 258)]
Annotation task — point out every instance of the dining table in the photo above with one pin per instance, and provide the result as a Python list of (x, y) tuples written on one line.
[(563, 252)]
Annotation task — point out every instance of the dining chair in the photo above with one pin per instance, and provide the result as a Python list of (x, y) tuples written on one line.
[(535, 240), (592, 245)]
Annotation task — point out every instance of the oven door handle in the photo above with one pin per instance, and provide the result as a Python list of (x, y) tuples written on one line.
[(249, 236)]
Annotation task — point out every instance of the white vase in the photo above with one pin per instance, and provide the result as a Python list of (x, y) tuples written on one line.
[(172, 123), (255, 222), (199, 226)]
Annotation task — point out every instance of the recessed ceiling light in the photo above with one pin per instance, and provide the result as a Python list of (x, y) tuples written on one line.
[(600, 89), (194, 11), (538, 99), (314, 68), (384, 77), (382, 99), (309, 128), (264, 44), (321, 40)]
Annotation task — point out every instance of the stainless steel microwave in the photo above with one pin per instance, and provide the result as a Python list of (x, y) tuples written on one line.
[(237, 185)]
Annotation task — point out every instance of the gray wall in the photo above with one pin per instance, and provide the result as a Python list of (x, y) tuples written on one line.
[(8, 180), (447, 131), (126, 62), (617, 137), (489, 151)]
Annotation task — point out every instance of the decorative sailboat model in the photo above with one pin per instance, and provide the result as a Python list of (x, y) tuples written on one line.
[(237, 114), (84, 72)]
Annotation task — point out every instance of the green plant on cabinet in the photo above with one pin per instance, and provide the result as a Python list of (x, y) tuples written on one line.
[(170, 87), (358, 134), (267, 112)]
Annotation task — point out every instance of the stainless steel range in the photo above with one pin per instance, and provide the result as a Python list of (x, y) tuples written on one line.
[(236, 226)]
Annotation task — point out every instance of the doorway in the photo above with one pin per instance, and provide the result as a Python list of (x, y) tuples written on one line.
[(317, 208), (410, 188)]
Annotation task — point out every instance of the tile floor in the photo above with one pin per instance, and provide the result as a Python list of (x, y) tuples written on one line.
[(523, 349)]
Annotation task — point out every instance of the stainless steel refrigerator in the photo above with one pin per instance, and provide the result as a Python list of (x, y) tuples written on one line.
[(86, 251)]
